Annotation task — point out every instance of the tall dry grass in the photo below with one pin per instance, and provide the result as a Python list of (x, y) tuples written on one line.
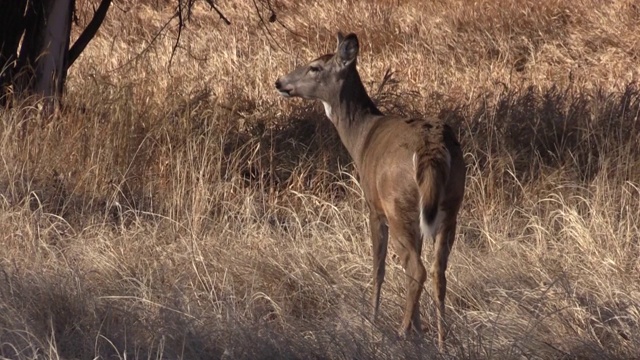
[(178, 208)]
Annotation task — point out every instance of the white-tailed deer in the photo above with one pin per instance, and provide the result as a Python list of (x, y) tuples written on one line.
[(412, 173)]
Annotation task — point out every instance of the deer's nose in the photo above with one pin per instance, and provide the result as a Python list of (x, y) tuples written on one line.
[(284, 90)]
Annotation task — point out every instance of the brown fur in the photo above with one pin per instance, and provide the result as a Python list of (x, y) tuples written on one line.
[(383, 149)]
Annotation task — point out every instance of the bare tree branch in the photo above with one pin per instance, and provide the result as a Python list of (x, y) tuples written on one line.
[(181, 25), (153, 40), (274, 18), (89, 32), (213, 6), (264, 27)]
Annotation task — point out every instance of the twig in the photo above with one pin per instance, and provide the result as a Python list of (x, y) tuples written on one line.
[(385, 79), (180, 26), (213, 6), (153, 40), (265, 28), (274, 18)]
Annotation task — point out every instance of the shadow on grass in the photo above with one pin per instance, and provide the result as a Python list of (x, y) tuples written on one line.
[(66, 316), (524, 133), (546, 130)]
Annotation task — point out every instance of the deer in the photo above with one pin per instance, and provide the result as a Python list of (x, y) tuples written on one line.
[(411, 172)]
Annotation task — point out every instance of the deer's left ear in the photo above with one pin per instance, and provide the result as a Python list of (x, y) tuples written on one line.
[(348, 48), (339, 37)]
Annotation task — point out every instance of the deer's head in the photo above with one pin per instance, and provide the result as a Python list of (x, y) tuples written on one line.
[(324, 76)]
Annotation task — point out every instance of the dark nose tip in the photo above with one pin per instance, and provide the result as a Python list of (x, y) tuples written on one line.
[(278, 84)]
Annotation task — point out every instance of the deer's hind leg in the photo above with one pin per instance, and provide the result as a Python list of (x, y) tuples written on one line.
[(408, 245), (443, 245), (379, 240)]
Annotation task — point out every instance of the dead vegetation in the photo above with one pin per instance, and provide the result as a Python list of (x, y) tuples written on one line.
[(189, 212)]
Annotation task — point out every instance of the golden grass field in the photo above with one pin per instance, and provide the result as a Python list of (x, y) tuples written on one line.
[(179, 208)]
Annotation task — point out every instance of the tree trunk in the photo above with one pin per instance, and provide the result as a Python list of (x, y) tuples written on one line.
[(51, 70), (48, 48)]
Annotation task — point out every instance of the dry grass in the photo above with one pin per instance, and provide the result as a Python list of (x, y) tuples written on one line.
[(186, 211)]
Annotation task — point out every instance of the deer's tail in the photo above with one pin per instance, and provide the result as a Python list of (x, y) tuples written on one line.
[(432, 173)]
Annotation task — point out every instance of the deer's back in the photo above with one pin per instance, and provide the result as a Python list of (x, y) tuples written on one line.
[(388, 169)]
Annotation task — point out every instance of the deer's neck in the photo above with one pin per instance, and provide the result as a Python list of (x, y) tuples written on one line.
[(352, 112)]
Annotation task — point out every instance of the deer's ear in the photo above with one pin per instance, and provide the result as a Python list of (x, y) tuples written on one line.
[(339, 37), (348, 48)]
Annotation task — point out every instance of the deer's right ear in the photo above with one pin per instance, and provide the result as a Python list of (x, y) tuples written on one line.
[(348, 48)]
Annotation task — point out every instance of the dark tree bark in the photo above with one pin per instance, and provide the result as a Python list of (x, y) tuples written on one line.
[(33, 24), (12, 27), (52, 40)]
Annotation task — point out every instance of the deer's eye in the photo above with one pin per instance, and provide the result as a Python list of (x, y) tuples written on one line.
[(315, 69)]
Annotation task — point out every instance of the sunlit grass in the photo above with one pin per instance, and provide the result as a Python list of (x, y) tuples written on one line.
[(186, 211)]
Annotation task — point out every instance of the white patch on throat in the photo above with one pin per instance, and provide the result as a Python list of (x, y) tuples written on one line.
[(327, 109)]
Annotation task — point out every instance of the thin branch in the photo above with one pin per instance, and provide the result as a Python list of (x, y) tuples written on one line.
[(89, 32), (180, 26), (153, 40), (274, 18), (213, 6), (388, 75), (265, 28)]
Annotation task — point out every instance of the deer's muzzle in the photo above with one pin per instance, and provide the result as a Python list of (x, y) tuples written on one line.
[(283, 90)]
